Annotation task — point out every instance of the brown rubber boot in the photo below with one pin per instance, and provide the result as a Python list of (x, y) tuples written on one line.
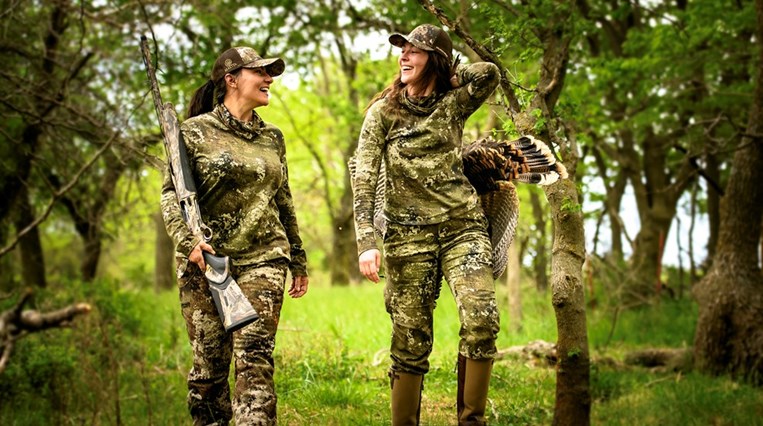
[(406, 397), (473, 383)]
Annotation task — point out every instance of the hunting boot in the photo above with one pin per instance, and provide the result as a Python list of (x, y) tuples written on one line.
[(406, 397), (473, 383)]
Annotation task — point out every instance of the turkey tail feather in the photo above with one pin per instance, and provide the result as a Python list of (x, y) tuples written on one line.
[(526, 159)]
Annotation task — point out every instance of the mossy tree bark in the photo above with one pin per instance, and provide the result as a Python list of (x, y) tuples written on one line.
[(729, 339)]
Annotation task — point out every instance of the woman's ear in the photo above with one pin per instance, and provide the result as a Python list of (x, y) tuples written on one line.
[(230, 80)]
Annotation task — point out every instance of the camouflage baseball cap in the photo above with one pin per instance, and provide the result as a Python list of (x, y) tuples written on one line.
[(245, 57), (426, 37)]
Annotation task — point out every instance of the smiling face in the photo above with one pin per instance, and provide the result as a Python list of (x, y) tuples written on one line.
[(412, 62), (254, 86)]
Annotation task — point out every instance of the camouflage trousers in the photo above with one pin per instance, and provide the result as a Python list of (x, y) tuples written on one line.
[(251, 348), (417, 257)]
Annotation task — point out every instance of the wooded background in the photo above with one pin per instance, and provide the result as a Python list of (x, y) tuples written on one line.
[(661, 101)]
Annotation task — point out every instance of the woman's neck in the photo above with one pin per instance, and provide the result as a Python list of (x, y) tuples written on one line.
[(238, 109), (418, 91)]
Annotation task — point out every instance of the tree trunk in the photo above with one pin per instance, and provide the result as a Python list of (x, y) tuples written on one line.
[(87, 213), (344, 256), (91, 253), (513, 287), (8, 280), (540, 261), (729, 338), (614, 199), (642, 282), (164, 256), (32, 256), (614, 191), (713, 169), (573, 397), (657, 196)]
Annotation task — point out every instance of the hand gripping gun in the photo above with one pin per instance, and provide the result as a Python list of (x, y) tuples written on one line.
[(232, 305)]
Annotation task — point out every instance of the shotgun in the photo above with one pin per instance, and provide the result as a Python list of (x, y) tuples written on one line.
[(234, 308)]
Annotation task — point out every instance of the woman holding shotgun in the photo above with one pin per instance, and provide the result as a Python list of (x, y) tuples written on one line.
[(435, 225), (239, 166)]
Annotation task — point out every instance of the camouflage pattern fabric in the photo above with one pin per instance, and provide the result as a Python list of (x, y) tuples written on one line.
[(435, 226), (242, 186), (421, 148), (251, 348), (417, 258)]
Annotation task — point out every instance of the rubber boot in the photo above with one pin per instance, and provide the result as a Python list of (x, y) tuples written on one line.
[(473, 384), (406, 398)]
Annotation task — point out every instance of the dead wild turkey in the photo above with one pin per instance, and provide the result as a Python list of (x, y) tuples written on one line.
[(491, 166)]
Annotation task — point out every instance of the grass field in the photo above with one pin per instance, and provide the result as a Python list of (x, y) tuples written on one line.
[(125, 364)]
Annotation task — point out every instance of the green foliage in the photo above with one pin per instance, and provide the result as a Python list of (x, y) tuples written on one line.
[(540, 120), (571, 206)]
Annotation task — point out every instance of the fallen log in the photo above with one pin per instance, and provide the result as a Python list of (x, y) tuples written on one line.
[(668, 359), (540, 353), (537, 352)]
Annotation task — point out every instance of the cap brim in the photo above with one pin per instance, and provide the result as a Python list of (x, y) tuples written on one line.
[(274, 66), (399, 40)]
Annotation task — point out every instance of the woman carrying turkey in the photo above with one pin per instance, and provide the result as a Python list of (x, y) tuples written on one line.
[(435, 226)]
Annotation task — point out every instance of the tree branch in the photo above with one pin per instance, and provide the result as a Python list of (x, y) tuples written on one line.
[(56, 195), (314, 153)]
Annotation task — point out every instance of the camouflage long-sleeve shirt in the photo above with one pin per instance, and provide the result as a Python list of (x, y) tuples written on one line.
[(421, 148), (243, 191)]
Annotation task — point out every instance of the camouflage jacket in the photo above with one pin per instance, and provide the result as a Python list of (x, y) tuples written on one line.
[(242, 189), (421, 149)]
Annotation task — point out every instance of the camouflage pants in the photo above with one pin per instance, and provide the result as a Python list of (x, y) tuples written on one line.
[(417, 258), (251, 347)]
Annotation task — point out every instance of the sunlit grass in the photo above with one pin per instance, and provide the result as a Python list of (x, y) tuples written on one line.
[(127, 362)]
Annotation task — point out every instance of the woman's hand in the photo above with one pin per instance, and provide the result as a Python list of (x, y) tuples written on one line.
[(454, 81), (197, 257), (298, 287), (369, 262)]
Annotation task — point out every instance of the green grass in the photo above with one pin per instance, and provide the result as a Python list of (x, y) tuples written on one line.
[(126, 362), (337, 341)]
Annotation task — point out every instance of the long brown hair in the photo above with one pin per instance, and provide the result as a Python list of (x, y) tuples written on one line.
[(206, 97), (437, 69)]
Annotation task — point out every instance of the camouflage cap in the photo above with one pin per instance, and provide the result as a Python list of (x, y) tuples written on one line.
[(426, 37), (245, 57)]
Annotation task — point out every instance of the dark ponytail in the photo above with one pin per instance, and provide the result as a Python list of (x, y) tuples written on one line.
[(206, 97)]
